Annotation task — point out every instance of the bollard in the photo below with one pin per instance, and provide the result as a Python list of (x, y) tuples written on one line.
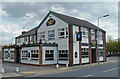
[(66, 64), (17, 69), (3, 70), (57, 66)]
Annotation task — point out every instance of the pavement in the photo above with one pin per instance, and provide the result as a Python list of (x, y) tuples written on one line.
[(86, 70)]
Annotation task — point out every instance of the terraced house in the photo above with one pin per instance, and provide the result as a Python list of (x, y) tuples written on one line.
[(58, 39)]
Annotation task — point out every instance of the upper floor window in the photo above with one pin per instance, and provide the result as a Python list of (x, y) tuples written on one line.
[(92, 34), (32, 38), (25, 39), (18, 40), (84, 32), (42, 35), (63, 33), (99, 35), (51, 35)]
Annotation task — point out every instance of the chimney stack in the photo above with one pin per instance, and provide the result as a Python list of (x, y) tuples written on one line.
[(23, 32)]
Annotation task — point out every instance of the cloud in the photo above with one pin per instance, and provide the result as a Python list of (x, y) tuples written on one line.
[(57, 9), (74, 11), (31, 14), (9, 32)]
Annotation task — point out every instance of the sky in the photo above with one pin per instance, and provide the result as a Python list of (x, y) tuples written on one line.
[(19, 16)]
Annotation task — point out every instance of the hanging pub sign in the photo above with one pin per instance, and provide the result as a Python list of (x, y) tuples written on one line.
[(79, 36), (50, 22), (93, 43)]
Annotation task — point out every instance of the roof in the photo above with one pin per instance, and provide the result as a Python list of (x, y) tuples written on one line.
[(68, 19), (76, 21), (30, 32)]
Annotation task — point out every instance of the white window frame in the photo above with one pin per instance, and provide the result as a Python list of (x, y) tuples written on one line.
[(36, 52), (84, 33), (42, 35), (84, 50), (63, 30), (92, 34), (63, 52), (47, 58), (49, 33)]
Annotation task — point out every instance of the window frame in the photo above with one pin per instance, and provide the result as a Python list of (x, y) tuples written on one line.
[(48, 54), (51, 33)]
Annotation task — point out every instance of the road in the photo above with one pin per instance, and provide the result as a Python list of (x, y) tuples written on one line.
[(101, 70), (104, 69)]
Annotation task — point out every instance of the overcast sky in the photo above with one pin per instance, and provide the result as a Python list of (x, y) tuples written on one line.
[(16, 15)]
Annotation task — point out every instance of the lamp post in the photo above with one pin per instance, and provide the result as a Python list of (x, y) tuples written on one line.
[(98, 37)]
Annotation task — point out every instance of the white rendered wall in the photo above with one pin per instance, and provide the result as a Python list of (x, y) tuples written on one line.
[(75, 45), (29, 50), (63, 43)]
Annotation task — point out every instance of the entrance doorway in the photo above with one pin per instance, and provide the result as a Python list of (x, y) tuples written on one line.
[(17, 55), (93, 55)]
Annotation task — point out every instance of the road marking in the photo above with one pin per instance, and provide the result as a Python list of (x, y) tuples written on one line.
[(111, 69), (65, 68), (27, 72), (88, 75)]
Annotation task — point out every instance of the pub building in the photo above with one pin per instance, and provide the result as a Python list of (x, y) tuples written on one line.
[(58, 39)]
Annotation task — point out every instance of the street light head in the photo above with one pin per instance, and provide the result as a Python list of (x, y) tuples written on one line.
[(106, 15)]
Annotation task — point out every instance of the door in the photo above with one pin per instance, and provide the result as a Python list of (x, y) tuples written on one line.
[(93, 55), (17, 55)]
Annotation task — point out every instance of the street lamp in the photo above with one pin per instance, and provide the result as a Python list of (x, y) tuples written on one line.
[(98, 38)]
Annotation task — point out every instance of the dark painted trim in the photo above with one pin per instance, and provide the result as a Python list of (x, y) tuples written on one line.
[(70, 44), (80, 54)]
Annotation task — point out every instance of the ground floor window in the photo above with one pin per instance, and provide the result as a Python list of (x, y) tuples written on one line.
[(101, 52), (24, 54), (49, 54), (63, 55), (34, 54), (9, 55), (85, 52)]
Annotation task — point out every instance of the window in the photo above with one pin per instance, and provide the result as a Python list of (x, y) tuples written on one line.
[(84, 32), (49, 54), (34, 54), (92, 34), (66, 32), (42, 35), (63, 33), (51, 35), (63, 54), (101, 52), (25, 39), (8, 55), (12, 54), (32, 38), (24, 54), (18, 40), (85, 52), (100, 35), (76, 54)]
